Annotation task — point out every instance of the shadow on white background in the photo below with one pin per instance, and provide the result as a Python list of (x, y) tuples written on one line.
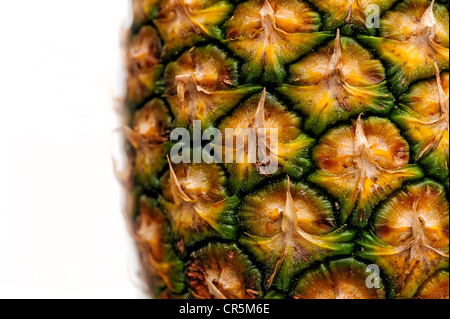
[(61, 231)]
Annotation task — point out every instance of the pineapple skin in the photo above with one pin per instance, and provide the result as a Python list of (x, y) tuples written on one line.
[(356, 209)]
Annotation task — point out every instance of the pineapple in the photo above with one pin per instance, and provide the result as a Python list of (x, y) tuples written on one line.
[(357, 205)]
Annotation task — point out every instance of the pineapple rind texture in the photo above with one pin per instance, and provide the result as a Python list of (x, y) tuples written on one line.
[(293, 146), (329, 90), (263, 35), (350, 15), (142, 57), (362, 164), (341, 279), (148, 137), (287, 227), (222, 271), (202, 84), (411, 50), (423, 116), (161, 265), (201, 208), (435, 287), (357, 207), (410, 239)]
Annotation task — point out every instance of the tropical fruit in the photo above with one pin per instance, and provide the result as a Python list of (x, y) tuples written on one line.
[(289, 148)]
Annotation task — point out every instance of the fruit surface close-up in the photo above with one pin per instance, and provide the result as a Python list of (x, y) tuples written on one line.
[(354, 98)]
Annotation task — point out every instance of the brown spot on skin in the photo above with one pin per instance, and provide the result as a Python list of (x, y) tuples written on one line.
[(180, 246), (401, 156), (328, 163), (445, 231), (325, 223), (252, 293), (232, 34), (375, 77), (383, 230), (196, 278)]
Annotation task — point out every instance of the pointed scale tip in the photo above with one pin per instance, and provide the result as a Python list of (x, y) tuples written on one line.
[(336, 58), (259, 119), (177, 192)]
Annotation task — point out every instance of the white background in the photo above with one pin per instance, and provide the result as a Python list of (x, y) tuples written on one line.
[(61, 231)]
